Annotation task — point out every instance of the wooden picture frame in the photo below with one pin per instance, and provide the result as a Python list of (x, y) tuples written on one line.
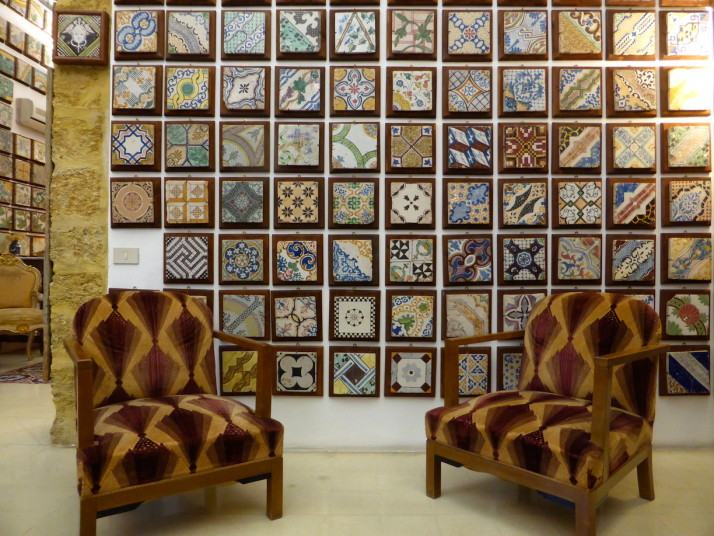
[(209, 201), (251, 3), (429, 331), (426, 214), (446, 55), (647, 279), (263, 257), (243, 111), (579, 204), (610, 88), (577, 56), (611, 14), (170, 164), (71, 56), (516, 324), (414, 265), (466, 351), (22, 146), (243, 371), (630, 3), (286, 182), (281, 113), (447, 110), (481, 267), (558, 167), (334, 200), (354, 56), (265, 293), (648, 192), (280, 389), (538, 268), (371, 165), (646, 164), (470, 318), (501, 352), (503, 86), (312, 324), (238, 56), (506, 130), (690, 377), (318, 258), (700, 265), (533, 197), (353, 2), (199, 294), (137, 191), (298, 167), (120, 52), (429, 112), (344, 282), (453, 184), (254, 165), (465, 2), (264, 203), (158, 91), (208, 111), (368, 318), (705, 108), (375, 85), (664, 33), (556, 93), (208, 238), (424, 56), (426, 131), (365, 383), (703, 184), (428, 389), (595, 254), (209, 56), (667, 165), (151, 138), (504, 55), (699, 330), (321, 54)]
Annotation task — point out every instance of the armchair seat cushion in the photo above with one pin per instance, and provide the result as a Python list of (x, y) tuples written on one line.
[(21, 318), (545, 433), (151, 439)]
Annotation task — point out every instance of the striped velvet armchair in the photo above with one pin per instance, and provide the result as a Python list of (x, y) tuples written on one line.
[(583, 414)]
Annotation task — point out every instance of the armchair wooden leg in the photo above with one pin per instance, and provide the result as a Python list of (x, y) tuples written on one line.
[(87, 519), (645, 480), (30, 340), (433, 473), (275, 490), (585, 516)]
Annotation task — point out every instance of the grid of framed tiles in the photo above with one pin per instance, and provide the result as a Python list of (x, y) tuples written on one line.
[(569, 147), (24, 60)]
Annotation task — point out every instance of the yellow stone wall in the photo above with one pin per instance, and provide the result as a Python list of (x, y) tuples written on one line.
[(78, 209)]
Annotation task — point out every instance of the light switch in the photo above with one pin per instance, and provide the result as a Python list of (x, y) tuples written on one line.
[(126, 255)]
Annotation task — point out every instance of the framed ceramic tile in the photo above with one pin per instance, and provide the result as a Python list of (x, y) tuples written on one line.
[(22, 195), (354, 261), (189, 146), (239, 371), (577, 35), (523, 35), (353, 204), (38, 151), (248, 2), (39, 198), (301, 34), (354, 147), (524, 92), (354, 315), (632, 148), (190, 35), (204, 296), (299, 203), (411, 148), (685, 35), (631, 259), (410, 371), (684, 3), (244, 203), (685, 314), (577, 92), (23, 72), (631, 203), (6, 141), (16, 38), (356, 91), (686, 201), (577, 260), (577, 148), (36, 13), (467, 35), (631, 3), (411, 315), (135, 202), (7, 64), (297, 259), (686, 258), (38, 174), (465, 313), (299, 147), (411, 204), (467, 92), (515, 306), (22, 170), (632, 35), (473, 371), (411, 34), (685, 371), (354, 372), (523, 259), (296, 315), (245, 146), (646, 296), (189, 90), (686, 147), (468, 149), (469, 259), (3, 29), (6, 218), (245, 35), (411, 92), (188, 258), (39, 80), (524, 203), (245, 91), (20, 6), (22, 146), (577, 203), (33, 48), (137, 90), (22, 220), (300, 92), (509, 367), (38, 222), (633, 90), (686, 91), (6, 166), (354, 2), (467, 203), (412, 260), (135, 146), (244, 259), (355, 35), (6, 189), (524, 147), (38, 244), (81, 37), (298, 372), (188, 202), (7, 90)]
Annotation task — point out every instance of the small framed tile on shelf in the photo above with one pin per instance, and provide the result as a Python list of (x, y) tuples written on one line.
[(632, 35), (139, 34), (81, 37), (468, 35), (190, 146), (245, 35), (467, 204), (411, 315), (465, 313), (411, 92), (577, 35), (189, 90), (299, 371), (523, 259), (411, 34), (686, 201), (245, 146), (299, 203), (523, 35), (685, 35), (469, 259), (354, 372), (189, 202), (686, 147), (244, 259), (686, 258), (135, 146), (685, 371), (410, 204), (524, 203), (353, 203), (524, 147), (355, 35), (296, 315), (686, 91), (412, 260), (515, 306), (577, 203), (244, 203), (354, 261), (135, 203), (245, 313), (239, 371), (355, 315), (632, 148), (137, 90), (468, 149), (474, 371), (411, 148), (410, 371), (356, 91), (577, 148), (355, 148), (191, 35), (297, 259), (245, 91), (467, 92), (523, 92), (299, 147), (633, 90), (301, 34), (630, 259), (577, 259), (631, 203), (685, 314), (188, 258)]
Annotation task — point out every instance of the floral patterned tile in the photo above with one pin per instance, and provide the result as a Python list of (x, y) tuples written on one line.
[(353, 203), (295, 315), (298, 144), (355, 32), (580, 90), (189, 33), (468, 203), (686, 315), (244, 88), (412, 90), (243, 259), (135, 89), (411, 260), (243, 146), (468, 33), (413, 31), (137, 32), (297, 202), (579, 203), (297, 260), (188, 89), (410, 202), (690, 201), (188, 145), (524, 259), (353, 260), (410, 373), (524, 90), (354, 317), (688, 258), (579, 259), (412, 146), (516, 307), (633, 260), (299, 90), (411, 316), (469, 90), (355, 89), (634, 147), (298, 373), (242, 201), (469, 260), (525, 33), (355, 146)]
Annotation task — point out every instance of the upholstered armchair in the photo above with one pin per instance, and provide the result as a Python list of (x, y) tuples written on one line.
[(149, 422), (583, 414)]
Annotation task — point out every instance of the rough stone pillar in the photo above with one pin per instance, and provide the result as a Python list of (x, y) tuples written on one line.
[(78, 209)]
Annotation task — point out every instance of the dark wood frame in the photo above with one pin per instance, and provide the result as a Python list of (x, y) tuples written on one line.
[(448, 114), (7, 55), (388, 314), (610, 15), (353, 2), (266, 258), (301, 2), (221, 359), (378, 167), (663, 33), (610, 200), (265, 224), (388, 205), (158, 204), (555, 19), (501, 93), (555, 262), (663, 390), (375, 294), (374, 239), (38, 148), (465, 351), (21, 170), (630, 3), (211, 147), (210, 254), (445, 252), (520, 57), (446, 169), (320, 224), (445, 55), (501, 184), (377, 93), (211, 203), (190, 2), (247, 292), (412, 55), (391, 112), (512, 292), (611, 169), (306, 56), (443, 315), (445, 204), (283, 114), (27, 188), (208, 294), (526, 282), (610, 88), (684, 3), (664, 258), (555, 90), (628, 292), (500, 351), (266, 55), (609, 258), (29, 69), (466, 2), (388, 260), (15, 146), (9, 98), (555, 150), (319, 168), (664, 94), (160, 31), (555, 202), (334, 56), (15, 226), (27, 46), (666, 202), (277, 294), (266, 146), (388, 370), (330, 202), (356, 348), (251, 3), (664, 149), (158, 92), (664, 296), (267, 85), (211, 56), (158, 145), (502, 153), (210, 111), (105, 28), (408, 170), (320, 254)]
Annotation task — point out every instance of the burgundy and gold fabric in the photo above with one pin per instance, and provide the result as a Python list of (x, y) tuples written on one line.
[(545, 426)]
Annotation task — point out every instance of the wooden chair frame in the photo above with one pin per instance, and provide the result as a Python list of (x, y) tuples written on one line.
[(125, 499), (586, 500)]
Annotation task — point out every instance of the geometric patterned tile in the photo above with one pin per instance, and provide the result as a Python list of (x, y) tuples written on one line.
[(469, 148), (188, 258), (410, 372), (354, 372), (633, 147), (468, 91), (580, 90)]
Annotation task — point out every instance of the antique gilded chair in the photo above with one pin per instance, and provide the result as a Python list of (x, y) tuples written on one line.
[(149, 422), (583, 415)]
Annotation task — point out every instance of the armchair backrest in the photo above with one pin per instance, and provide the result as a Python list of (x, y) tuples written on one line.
[(564, 333), (147, 344), (20, 283)]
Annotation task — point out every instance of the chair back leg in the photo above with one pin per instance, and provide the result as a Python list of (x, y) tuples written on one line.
[(645, 480), (585, 515), (87, 518), (433, 472), (30, 340), (275, 490)]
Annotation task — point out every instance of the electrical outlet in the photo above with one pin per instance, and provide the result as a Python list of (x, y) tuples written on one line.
[(126, 255)]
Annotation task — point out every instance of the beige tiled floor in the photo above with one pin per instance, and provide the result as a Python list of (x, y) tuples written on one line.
[(371, 494)]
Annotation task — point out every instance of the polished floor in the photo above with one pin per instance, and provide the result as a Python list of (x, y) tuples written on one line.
[(370, 494)]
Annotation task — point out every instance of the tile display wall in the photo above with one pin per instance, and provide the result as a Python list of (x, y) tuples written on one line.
[(377, 177)]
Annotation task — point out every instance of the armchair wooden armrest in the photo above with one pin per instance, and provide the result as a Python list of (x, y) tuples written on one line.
[(84, 384), (266, 369)]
